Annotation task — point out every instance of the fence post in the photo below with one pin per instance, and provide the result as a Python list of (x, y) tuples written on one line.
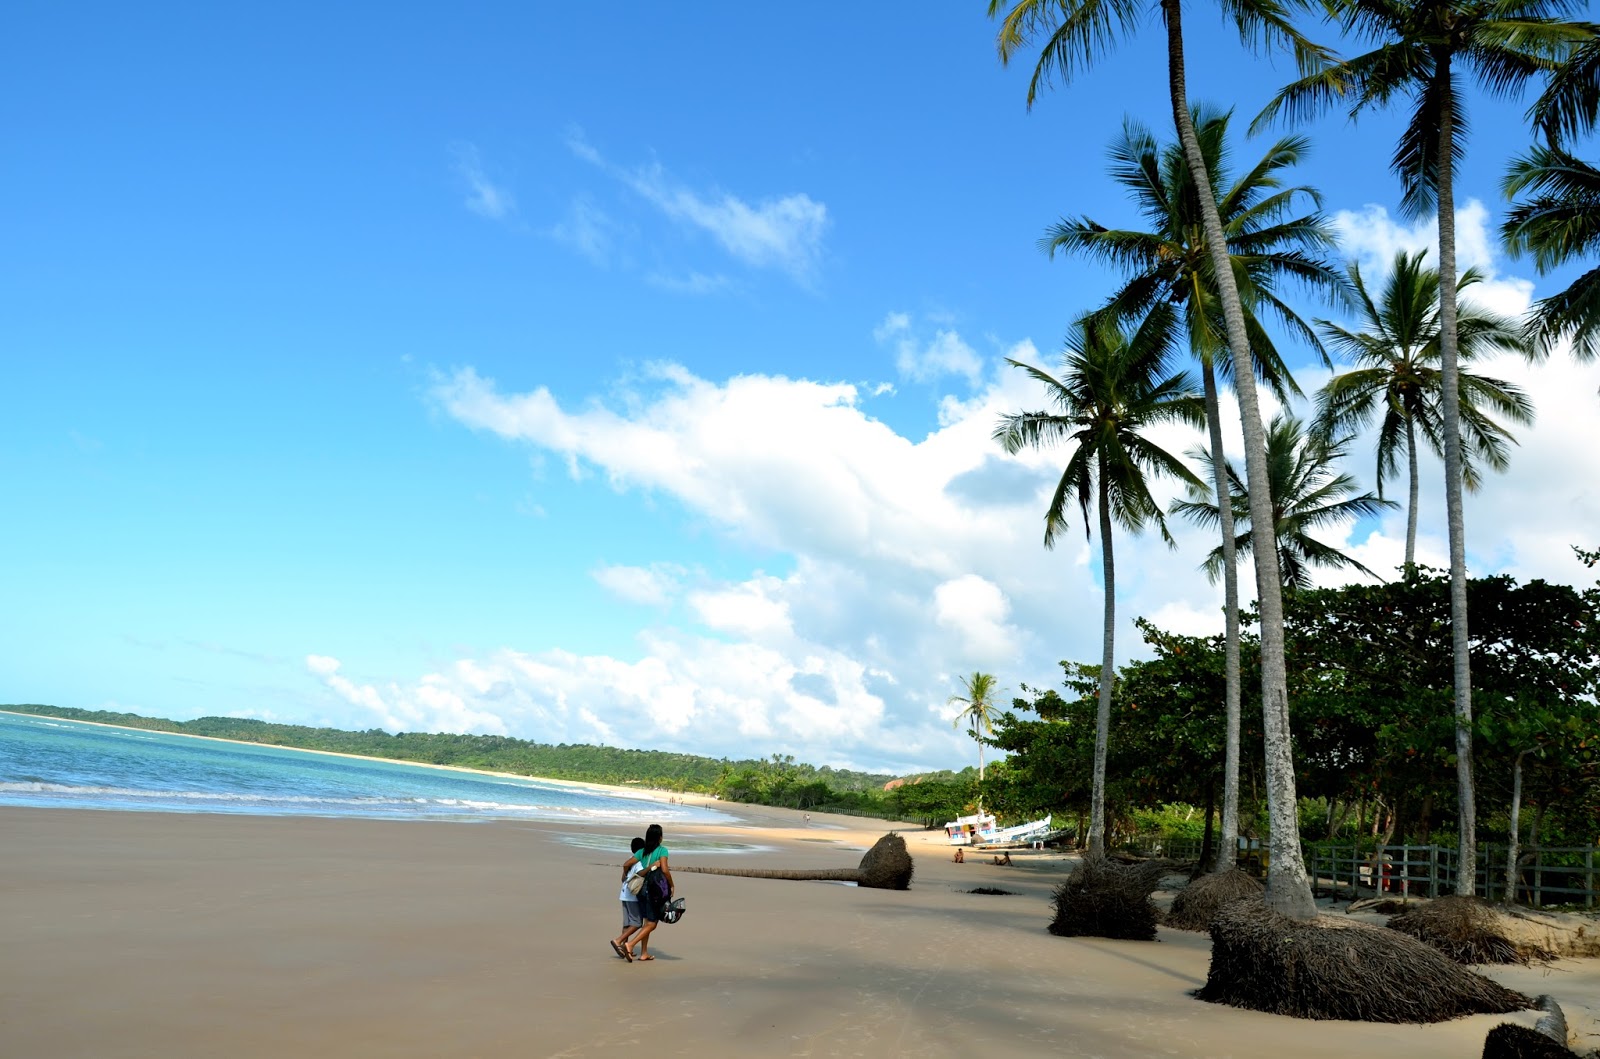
[(1433, 871), (1538, 878), (1588, 877)]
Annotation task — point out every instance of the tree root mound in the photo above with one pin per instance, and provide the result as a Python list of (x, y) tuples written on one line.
[(1105, 899), (887, 865), (1331, 969), (1511, 1041), (1466, 929), (1198, 903)]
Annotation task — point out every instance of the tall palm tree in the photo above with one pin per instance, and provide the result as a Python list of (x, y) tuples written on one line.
[(1560, 221), (1419, 44), (1113, 389), (1308, 492), (979, 700), (1396, 357), (1170, 263), (1075, 33)]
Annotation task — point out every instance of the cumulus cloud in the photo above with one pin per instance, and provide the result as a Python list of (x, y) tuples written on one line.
[(911, 559), (484, 198)]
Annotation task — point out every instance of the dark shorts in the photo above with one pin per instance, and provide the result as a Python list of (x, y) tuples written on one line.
[(630, 914)]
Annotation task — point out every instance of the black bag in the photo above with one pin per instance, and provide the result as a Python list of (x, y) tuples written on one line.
[(653, 895)]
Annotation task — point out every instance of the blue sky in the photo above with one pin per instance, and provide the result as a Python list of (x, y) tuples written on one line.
[(623, 380)]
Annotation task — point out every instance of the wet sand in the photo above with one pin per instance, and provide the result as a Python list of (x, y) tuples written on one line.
[(132, 934)]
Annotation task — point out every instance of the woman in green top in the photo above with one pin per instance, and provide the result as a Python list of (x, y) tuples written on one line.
[(653, 855)]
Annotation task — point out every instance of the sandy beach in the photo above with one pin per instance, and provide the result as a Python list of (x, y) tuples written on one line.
[(132, 934)]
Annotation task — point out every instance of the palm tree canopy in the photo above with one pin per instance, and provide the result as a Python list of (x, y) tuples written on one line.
[(1419, 44), (1559, 221), (1396, 375), (1077, 32), (980, 690), (1570, 103), (1111, 391), (1268, 239), (1308, 493)]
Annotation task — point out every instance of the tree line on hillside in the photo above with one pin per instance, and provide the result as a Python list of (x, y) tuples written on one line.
[(1204, 273)]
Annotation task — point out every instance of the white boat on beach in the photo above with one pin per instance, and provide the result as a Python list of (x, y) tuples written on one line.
[(980, 829)]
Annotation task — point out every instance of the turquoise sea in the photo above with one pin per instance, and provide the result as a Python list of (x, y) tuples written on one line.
[(49, 762)]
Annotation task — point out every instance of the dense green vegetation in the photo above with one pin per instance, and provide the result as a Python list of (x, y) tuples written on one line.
[(778, 780), (1370, 671)]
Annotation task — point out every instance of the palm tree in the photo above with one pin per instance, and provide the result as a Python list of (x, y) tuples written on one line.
[(1110, 393), (1308, 492), (1419, 44), (1075, 33), (980, 689), (1171, 263), (1396, 356), (1559, 222)]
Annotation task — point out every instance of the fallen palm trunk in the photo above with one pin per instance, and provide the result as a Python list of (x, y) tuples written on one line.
[(1546, 1040), (886, 866), (1336, 969)]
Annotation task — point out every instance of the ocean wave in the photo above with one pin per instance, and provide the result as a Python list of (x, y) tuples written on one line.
[(411, 804)]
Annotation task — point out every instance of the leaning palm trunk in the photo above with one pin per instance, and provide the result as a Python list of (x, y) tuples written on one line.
[(1450, 378), (1228, 841), (1102, 717), (1288, 888), (886, 866)]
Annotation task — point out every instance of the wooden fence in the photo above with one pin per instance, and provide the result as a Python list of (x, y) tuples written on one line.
[(1548, 875)]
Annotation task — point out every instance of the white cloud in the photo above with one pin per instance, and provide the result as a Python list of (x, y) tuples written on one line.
[(484, 197), (944, 354), (913, 558), (976, 610), (750, 610), (655, 585), (783, 232), (588, 229)]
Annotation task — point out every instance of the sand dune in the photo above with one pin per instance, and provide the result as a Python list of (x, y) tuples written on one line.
[(131, 934)]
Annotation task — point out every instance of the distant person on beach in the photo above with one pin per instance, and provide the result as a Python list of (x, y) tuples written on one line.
[(632, 921), (958, 858), (653, 898)]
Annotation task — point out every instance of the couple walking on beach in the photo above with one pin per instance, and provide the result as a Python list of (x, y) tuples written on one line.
[(647, 888)]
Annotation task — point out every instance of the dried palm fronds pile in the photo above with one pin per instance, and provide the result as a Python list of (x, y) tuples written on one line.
[(1198, 903), (1466, 929), (1105, 899), (1332, 969)]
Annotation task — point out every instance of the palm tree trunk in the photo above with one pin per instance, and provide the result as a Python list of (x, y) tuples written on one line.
[(1411, 508), (1227, 848), (1102, 718), (1288, 887), (1516, 813), (1466, 877)]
